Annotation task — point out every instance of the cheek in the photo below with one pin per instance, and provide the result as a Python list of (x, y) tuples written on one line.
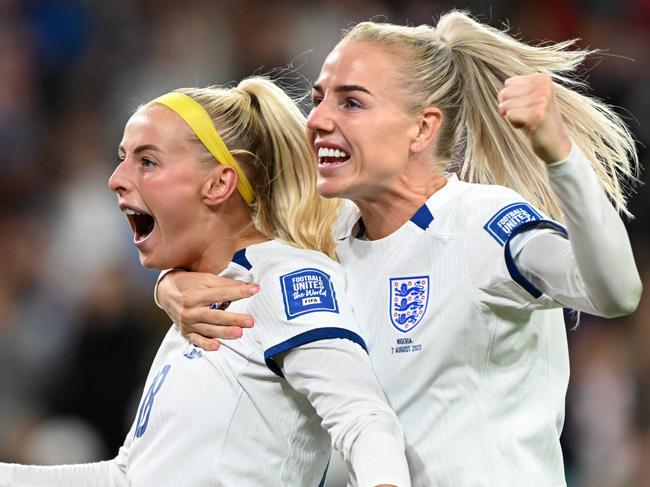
[(175, 207), (384, 149)]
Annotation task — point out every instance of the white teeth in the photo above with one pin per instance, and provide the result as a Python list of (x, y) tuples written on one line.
[(329, 152), (129, 211)]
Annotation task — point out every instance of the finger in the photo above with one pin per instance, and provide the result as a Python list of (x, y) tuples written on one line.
[(216, 331), (505, 107), (207, 344), (521, 117), (515, 91), (226, 318), (190, 317), (207, 296), (525, 102)]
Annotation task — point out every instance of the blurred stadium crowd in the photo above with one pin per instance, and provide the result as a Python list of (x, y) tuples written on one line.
[(78, 327)]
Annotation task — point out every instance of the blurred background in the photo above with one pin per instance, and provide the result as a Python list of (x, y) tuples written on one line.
[(78, 327)]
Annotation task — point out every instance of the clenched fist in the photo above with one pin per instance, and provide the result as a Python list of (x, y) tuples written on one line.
[(529, 103)]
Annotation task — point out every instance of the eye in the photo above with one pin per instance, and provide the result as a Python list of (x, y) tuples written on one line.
[(316, 100), (352, 103), (146, 162)]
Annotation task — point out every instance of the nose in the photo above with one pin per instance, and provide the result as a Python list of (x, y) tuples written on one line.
[(119, 181), (320, 118)]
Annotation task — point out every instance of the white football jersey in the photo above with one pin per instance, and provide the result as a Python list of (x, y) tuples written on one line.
[(472, 357), (227, 418)]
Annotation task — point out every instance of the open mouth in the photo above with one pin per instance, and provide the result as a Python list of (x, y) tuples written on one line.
[(332, 156), (141, 223)]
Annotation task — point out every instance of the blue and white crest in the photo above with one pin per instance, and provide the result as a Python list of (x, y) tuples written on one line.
[(409, 297)]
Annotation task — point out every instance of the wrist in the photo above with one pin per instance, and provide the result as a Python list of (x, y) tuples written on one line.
[(169, 286), (560, 151)]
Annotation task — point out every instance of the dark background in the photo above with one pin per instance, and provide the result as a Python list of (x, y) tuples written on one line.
[(78, 327)]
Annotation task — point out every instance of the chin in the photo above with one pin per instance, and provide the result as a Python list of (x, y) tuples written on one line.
[(149, 262), (329, 190)]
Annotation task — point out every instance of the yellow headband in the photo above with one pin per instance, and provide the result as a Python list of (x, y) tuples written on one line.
[(200, 122)]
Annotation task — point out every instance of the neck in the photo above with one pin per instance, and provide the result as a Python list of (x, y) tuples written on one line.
[(227, 230), (389, 208)]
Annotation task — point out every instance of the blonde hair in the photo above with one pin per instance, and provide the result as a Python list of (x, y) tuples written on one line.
[(460, 66), (265, 131)]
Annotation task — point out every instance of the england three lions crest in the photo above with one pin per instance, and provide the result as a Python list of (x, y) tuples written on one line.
[(409, 297)]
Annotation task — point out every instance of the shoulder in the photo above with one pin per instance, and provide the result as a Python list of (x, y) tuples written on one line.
[(494, 211), (299, 290), (304, 280), (486, 196), (276, 257)]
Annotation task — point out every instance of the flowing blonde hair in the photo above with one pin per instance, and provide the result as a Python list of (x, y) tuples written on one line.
[(461, 65), (265, 131)]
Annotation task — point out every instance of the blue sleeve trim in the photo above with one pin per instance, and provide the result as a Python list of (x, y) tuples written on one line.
[(309, 337), (322, 480), (514, 271), (422, 217), (239, 257)]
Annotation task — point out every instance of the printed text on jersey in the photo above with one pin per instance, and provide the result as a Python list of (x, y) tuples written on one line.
[(306, 291)]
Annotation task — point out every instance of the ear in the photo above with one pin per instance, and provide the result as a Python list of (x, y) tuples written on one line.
[(219, 186), (428, 125)]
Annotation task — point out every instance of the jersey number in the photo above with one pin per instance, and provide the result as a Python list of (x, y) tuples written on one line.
[(147, 402)]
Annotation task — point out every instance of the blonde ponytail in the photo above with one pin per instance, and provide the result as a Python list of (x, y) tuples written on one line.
[(461, 65), (291, 209), (265, 130)]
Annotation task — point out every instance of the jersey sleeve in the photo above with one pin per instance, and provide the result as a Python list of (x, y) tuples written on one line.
[(110, 473), (99, 474), (594, 271), (497, 218), (302, 301), (337, 378)]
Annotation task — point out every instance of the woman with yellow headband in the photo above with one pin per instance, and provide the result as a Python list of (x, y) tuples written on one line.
[(221, 181), (458, 286)]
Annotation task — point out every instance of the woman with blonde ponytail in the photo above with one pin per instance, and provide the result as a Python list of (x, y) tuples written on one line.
[(459, 281), (220, 181)]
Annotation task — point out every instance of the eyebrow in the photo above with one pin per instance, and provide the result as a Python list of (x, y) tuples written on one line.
[(342, 88), (141, 148)]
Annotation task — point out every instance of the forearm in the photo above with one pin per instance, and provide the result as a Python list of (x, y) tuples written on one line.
[(100, 474), (337, 378), (595, 270)]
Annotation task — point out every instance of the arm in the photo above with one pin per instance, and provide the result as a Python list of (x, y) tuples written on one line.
[(100, 474), (186, 298), (594, 271), (337, 378), (111, 473)]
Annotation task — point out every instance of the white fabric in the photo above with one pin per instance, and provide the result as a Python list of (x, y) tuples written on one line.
[(479, 382), (100, 474), (223, 418), (361, 427), (578, 273)]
